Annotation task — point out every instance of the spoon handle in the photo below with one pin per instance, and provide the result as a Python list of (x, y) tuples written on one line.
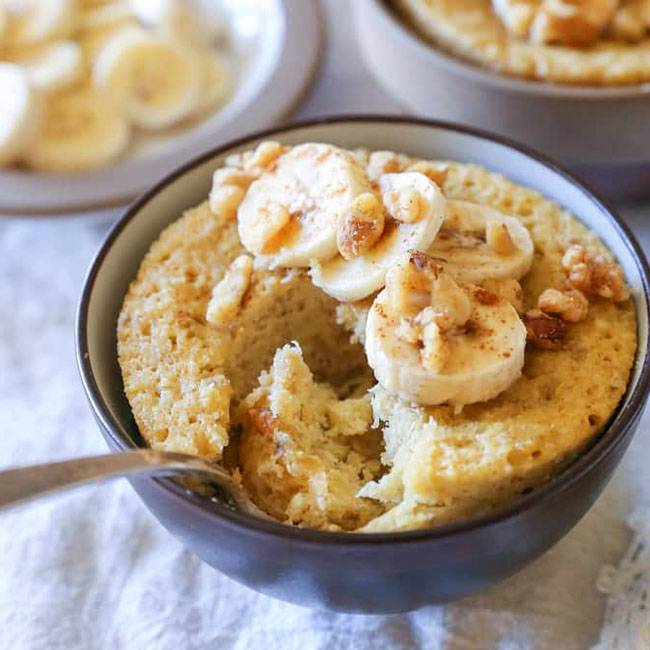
[(25, 483)]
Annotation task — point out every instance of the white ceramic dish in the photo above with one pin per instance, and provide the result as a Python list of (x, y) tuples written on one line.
[(603, 133), (275, 45)]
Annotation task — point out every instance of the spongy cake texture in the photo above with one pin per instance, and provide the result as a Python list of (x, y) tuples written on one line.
[(470, 29), (312, 446)]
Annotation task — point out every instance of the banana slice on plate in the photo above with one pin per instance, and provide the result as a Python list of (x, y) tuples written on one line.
[(290, 214), (81, 130), (106, 16), (415, 209), (431, 340), (37, 21), (178, 20), (53, 67), (156, 83), (20, 107), (217, 81), (477, 242)]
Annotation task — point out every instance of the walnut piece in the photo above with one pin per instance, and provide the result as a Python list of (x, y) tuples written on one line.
[(224, 200), (265, 235), (498, 238), (516, 15), (435, 351), (631, 21), (420, 283), (265, 154), (544, 331), (571, 305), (360, 228), (594, 274), (232, 176), (572, 22), (404, 205), (262, 420), (228, 294)]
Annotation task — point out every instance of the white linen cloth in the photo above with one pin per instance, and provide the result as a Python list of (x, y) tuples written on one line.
[(93, 570)]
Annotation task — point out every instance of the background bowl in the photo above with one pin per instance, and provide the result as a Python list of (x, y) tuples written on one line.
[(603, 133), (385, 572), (274, 49)]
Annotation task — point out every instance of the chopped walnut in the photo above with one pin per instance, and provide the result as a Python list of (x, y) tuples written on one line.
[(265, 154), (361, 227), (419, 289), (572, 22), (228, 294), (232, 176), (404, 205), (571, 306), (498, 238), (265, 236), (382, 162), (631, 21), (544, 331), (262, 420), (451, 303), (434, 171), (435, 351), (224, 200), (516, 15), (409, 284), (595, 274)]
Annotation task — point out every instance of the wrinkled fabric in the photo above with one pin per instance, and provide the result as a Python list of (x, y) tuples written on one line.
[(93, 570)]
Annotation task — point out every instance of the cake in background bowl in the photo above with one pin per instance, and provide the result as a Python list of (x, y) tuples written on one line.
[(583, 42)]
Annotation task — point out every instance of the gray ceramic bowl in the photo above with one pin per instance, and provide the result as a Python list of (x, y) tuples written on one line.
[(385, 572), (602, 133)]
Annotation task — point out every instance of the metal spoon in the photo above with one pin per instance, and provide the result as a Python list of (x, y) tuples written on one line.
[(24, 483)]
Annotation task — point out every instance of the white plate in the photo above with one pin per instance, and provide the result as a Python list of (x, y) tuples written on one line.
[(275, 44)]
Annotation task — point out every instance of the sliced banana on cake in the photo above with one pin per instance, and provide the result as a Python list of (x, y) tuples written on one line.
[(53, 67), (432, 340), (477, 242), (81, 130), (415, 209), (290, 215), (154, 82), (20, 107)]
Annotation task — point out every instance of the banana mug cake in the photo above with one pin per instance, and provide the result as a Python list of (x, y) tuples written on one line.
[(372, 342), (593, 42)]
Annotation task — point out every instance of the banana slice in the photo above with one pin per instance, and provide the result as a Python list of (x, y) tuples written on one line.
[(291, 213), (154, 82), (20, 108), (477, 242), (177, 20), (216, 81), (36, 21), (467, 345), (418, 208), (54, 67), (108, 16), (81, 130)]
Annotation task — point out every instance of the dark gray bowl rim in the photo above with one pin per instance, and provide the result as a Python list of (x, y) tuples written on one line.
[(477, 74), (606, 443)]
